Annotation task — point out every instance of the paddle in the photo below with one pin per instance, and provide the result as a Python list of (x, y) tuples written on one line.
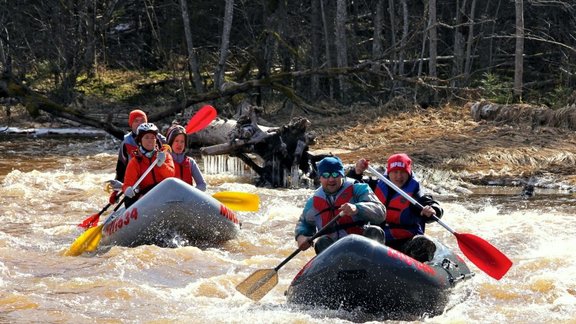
[(483, 254), (262, 281), (197, 122), (90, 239), (201, 119), (239, 201)]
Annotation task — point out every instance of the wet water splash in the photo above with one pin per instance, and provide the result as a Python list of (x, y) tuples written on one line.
[(44, 196)]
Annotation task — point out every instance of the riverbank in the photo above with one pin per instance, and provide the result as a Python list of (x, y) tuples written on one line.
[(450, 142), (446, 144)]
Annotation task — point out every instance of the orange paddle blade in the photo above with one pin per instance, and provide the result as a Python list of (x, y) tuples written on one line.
[(201, 119), (484, 255)]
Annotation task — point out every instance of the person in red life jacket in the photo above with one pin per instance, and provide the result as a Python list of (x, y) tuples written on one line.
[(126, 150), (185, 167), (405, 223), (356, 201), (149, 150)]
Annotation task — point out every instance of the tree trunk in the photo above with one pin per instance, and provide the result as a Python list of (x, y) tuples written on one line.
[(519, 55), (393, 44), (316, 35), (403, 40), (226, 28), (327, 41), (195, 77), (377, 43), (432, 27), (458, 61), (282, 150), (341, 44), (470, 42)]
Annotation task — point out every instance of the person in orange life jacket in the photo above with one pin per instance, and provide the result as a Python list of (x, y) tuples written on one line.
[(356, 201), (405, 223), (185, 167), (149, 150), (127, 147)]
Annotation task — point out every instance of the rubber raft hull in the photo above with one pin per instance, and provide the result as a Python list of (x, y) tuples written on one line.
[(359, 273), (173, 213)]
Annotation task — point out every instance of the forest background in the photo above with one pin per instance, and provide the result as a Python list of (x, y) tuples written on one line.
[(374, 77)]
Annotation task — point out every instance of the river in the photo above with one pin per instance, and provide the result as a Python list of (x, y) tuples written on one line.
[(49, 185)]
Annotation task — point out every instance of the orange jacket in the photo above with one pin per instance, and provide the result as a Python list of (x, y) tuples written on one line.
[(139, 163)]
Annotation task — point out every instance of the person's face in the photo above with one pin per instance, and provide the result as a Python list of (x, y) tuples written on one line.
[(179, 144), (136, 122), (149, 141), (331, 184), (399, 177)]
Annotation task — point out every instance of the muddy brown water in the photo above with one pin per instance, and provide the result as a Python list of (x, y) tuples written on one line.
[(47, 186)]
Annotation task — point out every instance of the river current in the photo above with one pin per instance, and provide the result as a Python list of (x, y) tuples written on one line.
[(48, 186)]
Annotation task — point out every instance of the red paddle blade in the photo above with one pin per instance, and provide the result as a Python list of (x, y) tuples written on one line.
[(201, 119), (484, 255), (91, 221)]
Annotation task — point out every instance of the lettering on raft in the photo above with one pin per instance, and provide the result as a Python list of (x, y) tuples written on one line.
[(224, 211), (408, 260), (121, 221)]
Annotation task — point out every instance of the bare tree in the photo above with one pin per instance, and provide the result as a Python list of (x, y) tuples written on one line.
[(194, 69), (341, 44), (404, 39), (224, 44), (470, 41), (519, 54), (392, 16), (377, 44), (459, 44), (315, 46), (433, 32)]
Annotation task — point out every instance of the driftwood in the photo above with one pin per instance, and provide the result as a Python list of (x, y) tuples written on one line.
[(535, 116), (283, 150)]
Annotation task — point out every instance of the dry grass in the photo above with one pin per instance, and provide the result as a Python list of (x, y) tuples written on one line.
[(449, 139)]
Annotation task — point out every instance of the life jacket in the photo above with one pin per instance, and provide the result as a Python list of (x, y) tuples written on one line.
[(401, 221), (327, 210), (153, 178), (129, 146), (183, 171)]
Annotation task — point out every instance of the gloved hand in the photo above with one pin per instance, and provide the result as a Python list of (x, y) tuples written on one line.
[(161, 157), (130, 192), (112, 198), (114, 184), (166, 148)]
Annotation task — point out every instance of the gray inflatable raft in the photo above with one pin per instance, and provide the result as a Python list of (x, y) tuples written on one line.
[(173, 213)]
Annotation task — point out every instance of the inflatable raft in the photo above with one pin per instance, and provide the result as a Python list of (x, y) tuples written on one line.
[(173, 213), (359, 273)]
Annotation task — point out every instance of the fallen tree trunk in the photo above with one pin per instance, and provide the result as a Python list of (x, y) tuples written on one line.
[(283, 150), (535, 116)]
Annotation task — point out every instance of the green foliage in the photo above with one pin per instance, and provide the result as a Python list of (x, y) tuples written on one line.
[(496, 88), (121, 85), (558, 97)]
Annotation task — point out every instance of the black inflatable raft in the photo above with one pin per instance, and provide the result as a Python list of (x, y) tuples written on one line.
[(359, 273)]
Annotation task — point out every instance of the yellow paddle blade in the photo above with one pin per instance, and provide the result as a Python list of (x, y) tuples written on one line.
[(258, 284), (88, 241), (239, 201)]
